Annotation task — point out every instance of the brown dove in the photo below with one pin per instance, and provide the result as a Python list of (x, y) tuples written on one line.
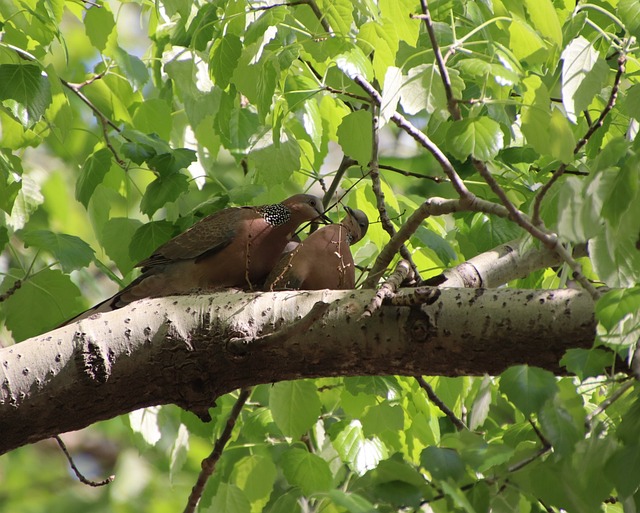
[(323, 260), (235, 247)]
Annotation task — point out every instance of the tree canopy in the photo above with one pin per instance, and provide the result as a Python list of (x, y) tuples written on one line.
[(493, 141)]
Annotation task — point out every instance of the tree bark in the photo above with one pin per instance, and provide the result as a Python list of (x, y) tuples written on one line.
[(188, 350)]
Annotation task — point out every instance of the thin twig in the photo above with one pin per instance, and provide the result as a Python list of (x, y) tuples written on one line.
[(104, 120), (75, 469), (345, 164), (436, 179), (10, 291), (583, 140), (388, 288), (376, 186), (550, 240), (433, 397), (452, 105), (433, 206), (209, 463), (423, 140), (608, 402)]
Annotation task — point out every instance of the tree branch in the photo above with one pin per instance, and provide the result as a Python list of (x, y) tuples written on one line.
[(174, 349), (209, 463), (583, 140)]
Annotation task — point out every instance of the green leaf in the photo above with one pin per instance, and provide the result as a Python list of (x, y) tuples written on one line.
[(145, 422), (230, 499), (623, 469), (561, 138), (307, 471), (527, 46), (360, 453), (481, 138), (26, 85), (559, 428), (10, 185), (50, 293), (584, 73), (163, 190), (629, 13), (148, 238), (99, 25), (132, 67), (93, 172), (338, 13), (528, 388), (545, 19), (352, 502), (255, 475), (172, 162), (624, 190), (354, 62), (355, 136), (382, 417), (442, 464), (70, 251), (614, 305), (275, 164), (423, 90), (295, 406), (179, 451), (225, 54), (153, 116), (586, 363), (116, 234)]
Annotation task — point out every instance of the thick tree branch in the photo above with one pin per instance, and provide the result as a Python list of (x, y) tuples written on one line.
[(175, 349)]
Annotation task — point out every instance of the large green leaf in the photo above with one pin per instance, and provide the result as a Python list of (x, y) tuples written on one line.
[(70, 251), (50, 293), (93, 172), (584, 73), (629, 13), (306, 470), (528, 387), (442, 464), (480, 138), (163, 190), (356, 137), (116, 236), (28, 87), (295, 406)]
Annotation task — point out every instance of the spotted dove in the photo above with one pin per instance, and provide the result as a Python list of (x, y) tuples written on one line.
[(235, 247), (323, 260)]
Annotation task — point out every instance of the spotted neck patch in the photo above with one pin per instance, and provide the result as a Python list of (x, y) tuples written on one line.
[(275, 215)]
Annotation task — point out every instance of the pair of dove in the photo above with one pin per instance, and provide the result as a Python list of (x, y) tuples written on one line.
[(244, 247)]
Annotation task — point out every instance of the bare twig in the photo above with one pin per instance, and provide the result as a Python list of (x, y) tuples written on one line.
[(10, 291), (388, 288), (452, 105), (608, 402), (346, 163), (377, 191), (436, 179), (104, 120), (433, 206), (433, 397), (423, 140), (209, 463), (75, 469), (583, 140)]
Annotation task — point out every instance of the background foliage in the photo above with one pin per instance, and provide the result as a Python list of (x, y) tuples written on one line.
[(123, 123)]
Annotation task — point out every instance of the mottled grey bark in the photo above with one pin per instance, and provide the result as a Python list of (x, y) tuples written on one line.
[(188, 350)]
